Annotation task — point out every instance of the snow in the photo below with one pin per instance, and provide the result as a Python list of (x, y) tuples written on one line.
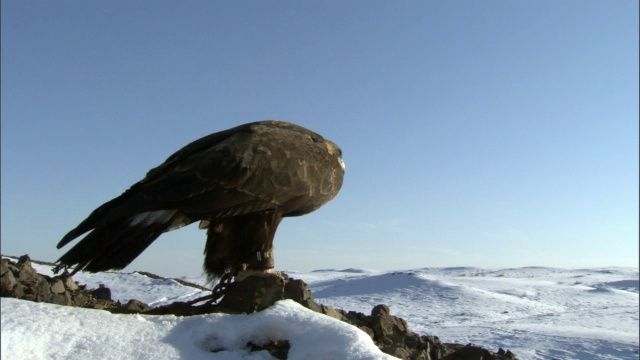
[(536, 312), (46, 331)]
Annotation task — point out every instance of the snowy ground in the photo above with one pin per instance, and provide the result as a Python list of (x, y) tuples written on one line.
[(538, 313)]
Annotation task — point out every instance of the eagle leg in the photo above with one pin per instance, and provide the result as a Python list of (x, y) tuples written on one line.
[(264, 273), (262, 261), (240, 242)]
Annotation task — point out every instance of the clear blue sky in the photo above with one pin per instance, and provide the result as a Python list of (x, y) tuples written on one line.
[(475, 133)]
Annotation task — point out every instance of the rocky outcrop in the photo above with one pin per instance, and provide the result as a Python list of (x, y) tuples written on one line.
[(254, 293), (390, 333), (20, 280)]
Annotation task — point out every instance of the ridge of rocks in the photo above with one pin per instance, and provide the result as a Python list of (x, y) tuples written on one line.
[(254, 293)]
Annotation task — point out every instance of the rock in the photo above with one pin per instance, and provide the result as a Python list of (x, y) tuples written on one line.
[(473, 352), (4, 267), (81, 299), (102, 293), (255, 293), (69, 284), (136, 306), (329, 311), (7, 283), (21, 281), (279, 349), (18, 291), (100, 305), (298, 291), (386, 326), (57, 286), (469, 352), (435, 348), (380, 310), (506, 354), (41, 290), (391, 333), (26, 273), (62, 299)]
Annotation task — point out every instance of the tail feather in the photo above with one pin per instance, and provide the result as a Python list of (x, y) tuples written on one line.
[(114, 245), (100, 216)]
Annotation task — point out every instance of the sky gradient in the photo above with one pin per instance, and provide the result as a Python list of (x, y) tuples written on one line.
[(493, 134)]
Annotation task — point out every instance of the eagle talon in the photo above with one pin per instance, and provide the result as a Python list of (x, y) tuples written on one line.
[(226, 281)]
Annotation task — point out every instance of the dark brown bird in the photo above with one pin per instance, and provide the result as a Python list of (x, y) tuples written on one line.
[(239, 183)]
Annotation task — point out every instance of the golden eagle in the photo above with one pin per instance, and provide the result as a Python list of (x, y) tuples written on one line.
[(239, 183)]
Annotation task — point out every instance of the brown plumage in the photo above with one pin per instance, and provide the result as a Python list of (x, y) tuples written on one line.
[(239, 183)]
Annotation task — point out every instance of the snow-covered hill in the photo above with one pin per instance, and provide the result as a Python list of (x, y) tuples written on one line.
[(538, 313)]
